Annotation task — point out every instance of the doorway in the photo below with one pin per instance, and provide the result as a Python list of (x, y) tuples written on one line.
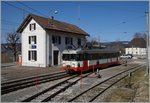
[(55, 55)]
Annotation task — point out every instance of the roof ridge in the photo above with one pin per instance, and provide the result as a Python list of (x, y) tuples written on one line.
[(53, 19), (56, 25)]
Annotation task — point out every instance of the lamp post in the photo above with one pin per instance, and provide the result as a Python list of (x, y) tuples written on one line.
[(54, 12)]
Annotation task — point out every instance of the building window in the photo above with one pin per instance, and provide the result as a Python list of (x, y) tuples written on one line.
[(32, 55), (32, 39), (56, 39), (32, 26), (68, 40), (136, 52), (79, 42)]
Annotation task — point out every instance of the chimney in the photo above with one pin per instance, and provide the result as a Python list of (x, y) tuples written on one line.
[(52, 17), (50, 22)]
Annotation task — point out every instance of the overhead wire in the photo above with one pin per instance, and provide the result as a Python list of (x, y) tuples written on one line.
[(119, 9), (32, 8), (45, 15), (126, 21), (7, 21), (14, 23), (16, 7), (38, 11)]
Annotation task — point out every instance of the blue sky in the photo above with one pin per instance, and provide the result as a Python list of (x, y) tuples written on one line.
[(105, 21)]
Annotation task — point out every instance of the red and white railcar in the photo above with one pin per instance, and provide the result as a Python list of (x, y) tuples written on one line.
[(84, 60)]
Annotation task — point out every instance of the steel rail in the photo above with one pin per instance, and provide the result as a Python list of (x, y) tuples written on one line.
[(30, 80), (111, 85), (32, 77), (103, 82), (53, 87), (46, 90), (63, 89), (107, 88), (28, 83)]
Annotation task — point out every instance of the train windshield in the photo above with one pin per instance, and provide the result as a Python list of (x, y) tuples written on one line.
[(72, 57)]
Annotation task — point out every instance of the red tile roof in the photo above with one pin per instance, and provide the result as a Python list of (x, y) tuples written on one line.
[(51, 24), (138, 42)]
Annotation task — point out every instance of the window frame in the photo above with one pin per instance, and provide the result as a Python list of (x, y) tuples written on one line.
[(32, 26), (79, 41), (32, 39), (56, 39), (32, 55), (68, 40), (72, 57)]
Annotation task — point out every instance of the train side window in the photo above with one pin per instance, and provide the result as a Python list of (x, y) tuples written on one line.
[(66, 57), (110, 55), (99, 56), (107, 55), (85, 56), (103, 55), (95, 56), (90, 57), (115, 54), (79, 57), (73, 57)]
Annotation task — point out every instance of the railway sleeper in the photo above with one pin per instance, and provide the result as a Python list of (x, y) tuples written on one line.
[(59, 91), (30, 81), (11, 89)]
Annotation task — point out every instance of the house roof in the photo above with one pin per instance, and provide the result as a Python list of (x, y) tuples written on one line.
[(51, 24), (137, 42)]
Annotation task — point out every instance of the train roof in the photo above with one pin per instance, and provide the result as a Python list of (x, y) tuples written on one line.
[(91, 51), (98, 51)]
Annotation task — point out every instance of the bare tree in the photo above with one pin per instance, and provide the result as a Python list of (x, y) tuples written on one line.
[(144, 36), (137, 35), (13, 39), (140, 35)]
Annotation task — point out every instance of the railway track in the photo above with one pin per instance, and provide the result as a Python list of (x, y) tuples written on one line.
[(89, 93), (11, 86), (49, 93), (14, 85)]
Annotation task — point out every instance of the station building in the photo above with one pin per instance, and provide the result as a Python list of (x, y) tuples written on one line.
[(44, 40)]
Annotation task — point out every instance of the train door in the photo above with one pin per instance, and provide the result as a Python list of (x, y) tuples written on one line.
[(85, 62), (55, 55)]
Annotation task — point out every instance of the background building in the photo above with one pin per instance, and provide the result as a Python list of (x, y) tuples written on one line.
[(136, 47)]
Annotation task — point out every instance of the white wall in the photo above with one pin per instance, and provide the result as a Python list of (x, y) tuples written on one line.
[(135, 51), (44, 44), (41, 43), (62, 46)]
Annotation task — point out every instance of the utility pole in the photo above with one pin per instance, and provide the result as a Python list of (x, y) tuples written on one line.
[(147, 40)]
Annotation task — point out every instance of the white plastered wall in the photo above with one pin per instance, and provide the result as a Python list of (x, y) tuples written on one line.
[(40, 45)]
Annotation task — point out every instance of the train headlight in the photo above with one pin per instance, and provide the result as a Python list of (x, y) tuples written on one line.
[(78, 64), (63, 64)]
